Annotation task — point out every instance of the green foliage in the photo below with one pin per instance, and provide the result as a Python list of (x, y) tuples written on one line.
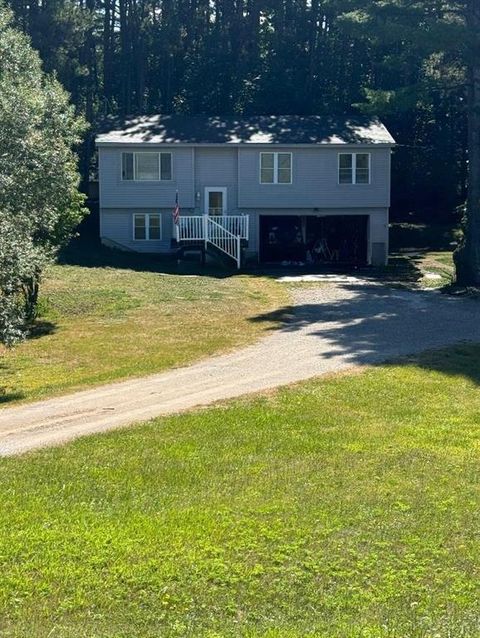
[(403, 60), (417, 85), (20, 261), (39, 200), (431, 65), (340, 508), (394, 58)]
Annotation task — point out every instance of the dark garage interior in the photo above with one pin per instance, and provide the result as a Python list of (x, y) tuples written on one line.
[(310, 239)]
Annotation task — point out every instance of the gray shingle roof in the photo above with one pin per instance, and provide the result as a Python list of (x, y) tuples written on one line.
[(255, 129)]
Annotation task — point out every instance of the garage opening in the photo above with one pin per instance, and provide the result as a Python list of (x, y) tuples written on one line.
[(330, 239)]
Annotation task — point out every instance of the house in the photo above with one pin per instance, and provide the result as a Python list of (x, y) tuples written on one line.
[(288, 189)]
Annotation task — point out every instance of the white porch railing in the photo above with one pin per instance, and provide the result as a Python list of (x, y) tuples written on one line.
[(190, 228), (223, 231), (224, 240)]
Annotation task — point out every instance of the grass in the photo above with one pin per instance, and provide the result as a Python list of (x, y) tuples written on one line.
[(436, 268), (102, 323), (419, 269), (423, 253), (347, 507)]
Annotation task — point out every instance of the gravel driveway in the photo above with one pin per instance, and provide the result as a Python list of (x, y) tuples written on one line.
[(347, 323)]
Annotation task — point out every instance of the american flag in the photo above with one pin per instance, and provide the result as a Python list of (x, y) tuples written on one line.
[(176, 210)]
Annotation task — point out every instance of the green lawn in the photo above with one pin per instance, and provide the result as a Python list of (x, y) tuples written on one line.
[(436, 268), (343, 507), (99, 324), (427, 269), (423, 254)]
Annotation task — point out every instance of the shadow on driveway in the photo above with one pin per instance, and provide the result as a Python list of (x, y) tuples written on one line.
[(368, 323)]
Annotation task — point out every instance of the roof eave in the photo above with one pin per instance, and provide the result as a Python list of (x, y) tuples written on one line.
[(384, 144)]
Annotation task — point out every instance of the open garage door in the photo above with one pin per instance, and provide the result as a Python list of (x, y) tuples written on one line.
[(330, 239), (281, 238), (339, 239)]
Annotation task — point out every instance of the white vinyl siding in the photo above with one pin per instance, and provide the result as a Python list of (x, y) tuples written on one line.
[(354, 168), (147, 227), (315, 180), (275, 168), (146, 167)]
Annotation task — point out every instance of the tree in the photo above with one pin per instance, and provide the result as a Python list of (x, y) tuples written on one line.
[(40, 205), (467, 257), (20, 263), (431, 61), (404, 60)]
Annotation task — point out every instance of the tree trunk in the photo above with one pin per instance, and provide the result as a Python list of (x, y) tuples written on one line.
[(467, 257), (108, 53), (31, 290)]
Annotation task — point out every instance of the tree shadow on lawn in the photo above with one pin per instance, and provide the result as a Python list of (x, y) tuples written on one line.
[(40, 328), (372, 324), (89, 252), (92, 253), (8, 397)]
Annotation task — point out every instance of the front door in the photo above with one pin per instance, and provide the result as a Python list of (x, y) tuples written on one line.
[(215, 200)]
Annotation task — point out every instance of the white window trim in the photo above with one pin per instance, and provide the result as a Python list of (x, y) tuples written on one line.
[(146, 181), (147, 226), (354, 169), (275, 168)]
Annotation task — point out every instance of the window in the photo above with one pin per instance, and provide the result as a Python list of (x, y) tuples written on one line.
[(345, 168), (147, 167), (362, 168), (165, 166), (275, 168), (284, 168), (140, 226), (354, 168), (147, 226)]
